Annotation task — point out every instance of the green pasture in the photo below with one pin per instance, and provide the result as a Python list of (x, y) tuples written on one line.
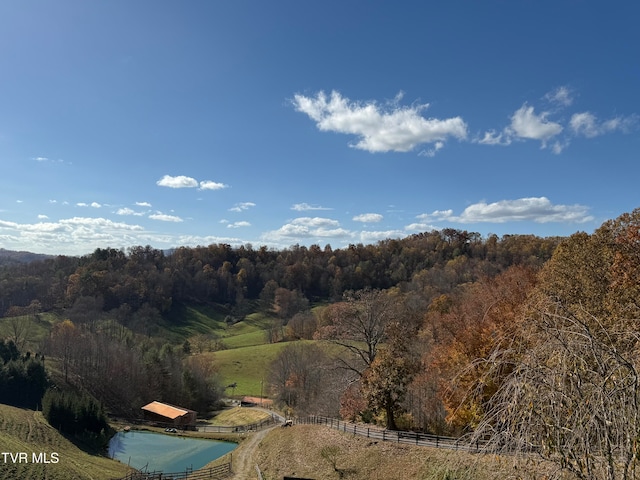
[(32, 329), (247, 367)]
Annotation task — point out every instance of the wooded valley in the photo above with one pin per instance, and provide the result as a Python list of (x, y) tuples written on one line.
[(529, 342)]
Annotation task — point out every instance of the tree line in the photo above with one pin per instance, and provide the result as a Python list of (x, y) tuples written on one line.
[(153, 280)]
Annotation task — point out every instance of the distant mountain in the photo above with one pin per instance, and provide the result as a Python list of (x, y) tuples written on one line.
[(11, 257)]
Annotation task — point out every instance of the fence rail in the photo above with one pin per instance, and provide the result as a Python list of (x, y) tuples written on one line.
[(409, 438), (213, 473), (251, 427)]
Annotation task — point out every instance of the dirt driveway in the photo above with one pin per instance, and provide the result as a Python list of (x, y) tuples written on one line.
[(244, 465)]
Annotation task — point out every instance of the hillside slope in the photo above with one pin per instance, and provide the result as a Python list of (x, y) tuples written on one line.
[(297, 451), (32, 441)]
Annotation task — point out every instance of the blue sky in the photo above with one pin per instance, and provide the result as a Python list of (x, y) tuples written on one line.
[(169, 123)]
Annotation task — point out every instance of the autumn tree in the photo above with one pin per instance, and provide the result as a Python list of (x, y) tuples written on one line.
[(464, 330), (568, 377), (62, 343), (384, 383)]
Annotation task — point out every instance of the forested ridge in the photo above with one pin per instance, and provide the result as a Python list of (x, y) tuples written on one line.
[(144, 276), (527, 344)]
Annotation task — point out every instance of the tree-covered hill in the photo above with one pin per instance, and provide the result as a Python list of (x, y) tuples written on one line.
[(147, 282)]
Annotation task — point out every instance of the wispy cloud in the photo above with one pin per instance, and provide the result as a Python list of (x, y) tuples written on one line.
[(380, 128), (238, 224), (587, 124), (368, 218), (534, 209), (303, 207), (143, 204), (242, 206), (163, 217), (92, 204), (129, 211), (562, 96)]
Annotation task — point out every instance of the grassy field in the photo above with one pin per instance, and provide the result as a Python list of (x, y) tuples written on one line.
[(34, 328), (27, 431), (239, 416), (246, 366)]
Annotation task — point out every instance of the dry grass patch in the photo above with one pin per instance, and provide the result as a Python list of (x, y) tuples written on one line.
[(317, 452), (239, 416)]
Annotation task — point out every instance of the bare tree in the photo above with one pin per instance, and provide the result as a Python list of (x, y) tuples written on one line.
[(360, 324), (569, 392)]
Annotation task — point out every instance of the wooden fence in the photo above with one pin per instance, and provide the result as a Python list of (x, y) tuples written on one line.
[(252, 427), (409, 438), (213, 473)]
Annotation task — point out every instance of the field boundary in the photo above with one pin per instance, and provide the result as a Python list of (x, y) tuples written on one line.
[(382, 434), (211, 473)]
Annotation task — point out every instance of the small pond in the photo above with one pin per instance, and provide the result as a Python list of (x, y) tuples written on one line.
[(165, 452)]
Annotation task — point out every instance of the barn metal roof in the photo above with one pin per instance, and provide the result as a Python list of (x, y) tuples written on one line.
[(165, 410)]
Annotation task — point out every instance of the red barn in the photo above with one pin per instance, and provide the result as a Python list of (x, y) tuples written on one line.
[(165, 413)]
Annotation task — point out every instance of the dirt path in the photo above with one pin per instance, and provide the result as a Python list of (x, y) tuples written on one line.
[(244, 465)]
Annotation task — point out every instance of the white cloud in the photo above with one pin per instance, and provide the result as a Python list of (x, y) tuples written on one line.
[(420, 227), (376, 236), (307, 227), (210, 185), (379, 128), (182, 181), (240, 207), (92, 204), (368, 218), (587, 125), (129, 211), (562, 96), (72, 236), (238, 224), (177, 182), (143, 204), (535, 209), (164, 217), (42, 217), (302, 207), (526, 124)]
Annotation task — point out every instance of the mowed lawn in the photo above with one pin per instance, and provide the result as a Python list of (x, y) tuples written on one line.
[(27, 431)]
